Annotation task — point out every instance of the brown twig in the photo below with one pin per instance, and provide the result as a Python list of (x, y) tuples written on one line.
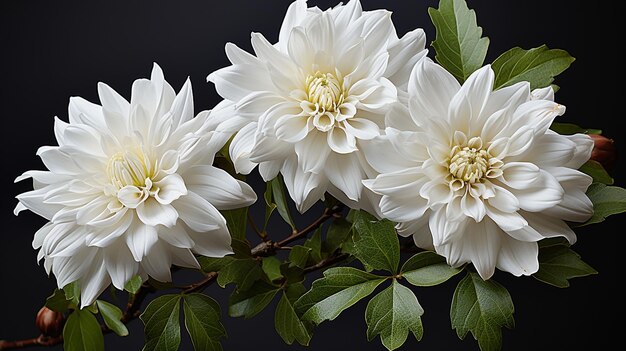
[(132, 312), (261, 234), (201, 285), (134, 305), (38, 341), (268, 248), (328, 213), (265, 248)]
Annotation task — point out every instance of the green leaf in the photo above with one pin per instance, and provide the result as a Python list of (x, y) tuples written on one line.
[(481, 307), (459, 46), (271, 267), (133, 285), (607, 201), (558, 264), (376, 243), (292, 273), (72, 293), (82, 332), (162, 326), (340, 288), (57, 301), (112, 316), (288, 325), (315, 244), (298, 256), (202, 320), (270, 206), (597, 172), (569, 129), (294, 291), (338, 232), (249, 303), (278, 194), (237, 221), (243, 272), (538, 66), (427, 269), (392, 314)]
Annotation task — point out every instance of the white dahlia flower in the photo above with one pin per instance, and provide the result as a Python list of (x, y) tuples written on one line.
[(131, 189), (307, 102), (476, 173)]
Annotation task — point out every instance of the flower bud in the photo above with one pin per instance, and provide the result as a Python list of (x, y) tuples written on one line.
[(49, 322), (604, 151)]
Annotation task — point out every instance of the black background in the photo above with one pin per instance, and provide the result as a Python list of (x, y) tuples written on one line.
[(53, 50)]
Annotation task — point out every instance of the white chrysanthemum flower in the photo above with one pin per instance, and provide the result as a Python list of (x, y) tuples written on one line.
[(306, 103), (476, 173), (131, 189)]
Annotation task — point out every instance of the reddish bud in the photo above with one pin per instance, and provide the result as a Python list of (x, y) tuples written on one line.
[(49, 322), (604, 151)]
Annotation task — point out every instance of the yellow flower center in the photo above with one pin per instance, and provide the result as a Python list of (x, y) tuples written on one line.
[(129, 168), (325, 91), (469, 163)]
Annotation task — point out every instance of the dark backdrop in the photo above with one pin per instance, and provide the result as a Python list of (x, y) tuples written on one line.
[(51, 50)]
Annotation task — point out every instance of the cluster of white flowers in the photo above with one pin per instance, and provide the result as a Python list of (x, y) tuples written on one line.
[(340, 104)]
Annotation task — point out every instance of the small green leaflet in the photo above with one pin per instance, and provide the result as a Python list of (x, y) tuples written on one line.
[(72, 293), (570, 128), (315, 244), (483, 308), (538, 66), (270, 206), (112, 315), (250, 302), (243, 272), (202, 320), (291, 274), (57, 301), (597, 172), (376, 243), (427, 269), (298, 256), (271, 267), (288, 325), (607, 201), (133, 285), (459, 46), (82, 332), (237, 221), (162, 326), (340, 288), (338, 232), (275, 199), (392, 314), (558, 264)]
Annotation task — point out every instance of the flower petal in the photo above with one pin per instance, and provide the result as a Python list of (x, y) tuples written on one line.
[(140, 239), (312, 152), (120, 264), (518, 257), (362, 128), (431, 89), (466, 107), (157, 263), (345, 172), (214, 243), (153, 213), (219, 188), (171, 188), (340, 141), (93, 283), (198, 213)]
